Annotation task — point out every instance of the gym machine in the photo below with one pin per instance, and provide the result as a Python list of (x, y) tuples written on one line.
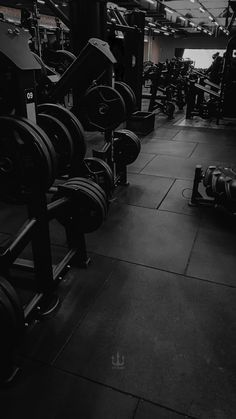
[(220, 188)]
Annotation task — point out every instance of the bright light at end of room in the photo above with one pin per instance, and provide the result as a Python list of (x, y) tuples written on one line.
[(201, 57)]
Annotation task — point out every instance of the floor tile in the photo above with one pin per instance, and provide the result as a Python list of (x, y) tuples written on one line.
[(161, 337), (142, 160), (224, 153), (206, 136), (176, 167), (147, 237), (178, 197), (77, 292), (172, 148), (163, 133), (150, 411), (144, 191), (44, 392), (214, 255), (169, 166)]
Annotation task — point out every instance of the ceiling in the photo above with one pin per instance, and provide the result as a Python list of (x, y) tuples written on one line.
[(191, 17)]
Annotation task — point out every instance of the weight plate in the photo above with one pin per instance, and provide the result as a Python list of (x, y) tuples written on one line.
[(46, 144), (61, 139), (94, 187), (86, 208), (102, 108), (126, 148), (72, 124), (132, 93), (99, 171), (23, 162), (127, 97)]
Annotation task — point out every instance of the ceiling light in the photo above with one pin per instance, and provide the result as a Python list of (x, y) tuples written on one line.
[(164, 28), (211, 18), (199, 28), (192, 24), (201, 9), (192, 1), (182, 18), (151, 1), (205, 31), (156, 31), (166, 33), (216, 23), (41, 1), (152, 25)]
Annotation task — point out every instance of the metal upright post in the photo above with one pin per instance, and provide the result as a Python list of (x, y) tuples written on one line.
[(134, 52), (88, 19)]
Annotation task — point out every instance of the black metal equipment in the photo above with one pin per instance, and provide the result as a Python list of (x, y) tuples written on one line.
[(220, 188), (30, 160)]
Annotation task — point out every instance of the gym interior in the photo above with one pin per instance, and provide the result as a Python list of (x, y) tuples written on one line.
[(117, 209)]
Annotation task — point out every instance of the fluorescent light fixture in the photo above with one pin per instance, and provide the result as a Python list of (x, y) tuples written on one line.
[(152, 25), (199, 28), (146, 28), (166, 33), (192, 24), (41, 1), (164, 28), (168, 10), (182, 18), (205, 31), (156, 31), (211, 18), (201, 9), (151, 1), (216, 23), (192, 1), (172, 30)]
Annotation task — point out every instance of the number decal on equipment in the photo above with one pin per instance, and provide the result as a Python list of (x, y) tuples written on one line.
[(29, 94)]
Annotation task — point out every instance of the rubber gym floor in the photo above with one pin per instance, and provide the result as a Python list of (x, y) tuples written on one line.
[(149, 329)]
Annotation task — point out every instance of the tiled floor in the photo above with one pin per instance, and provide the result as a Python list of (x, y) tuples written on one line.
[(148, 331)]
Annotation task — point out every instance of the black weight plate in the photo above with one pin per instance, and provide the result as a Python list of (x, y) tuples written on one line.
[(94, 187), (126, 149), (86, 208), (131, 133), (38, 135), (72, 124), (51, 155), (61, 139), (99, 192), (100, 168), (132, 93), (14, 300), (127, 96), (102, 108), (22, 160)]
